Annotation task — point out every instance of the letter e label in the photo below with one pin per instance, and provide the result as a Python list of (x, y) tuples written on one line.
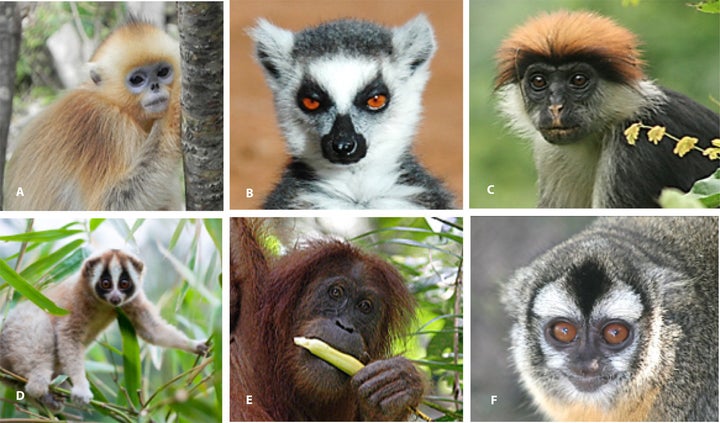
[(248, 399)]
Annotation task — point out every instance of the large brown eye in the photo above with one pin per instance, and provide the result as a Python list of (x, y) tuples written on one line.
[(579, 80), (105, 284), (564, 332), (310, 104), (124, 284), (365, 306), (376, 102), (538, 82), (615, 333), (336, 292)]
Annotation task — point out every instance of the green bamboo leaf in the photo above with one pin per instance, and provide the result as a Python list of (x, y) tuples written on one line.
[(188, 275), (217, 356), (94, 223), (27, 290), (41, 266), (41, 236), (131, 358), (138, 223), (70, 265), (214, 229), (176, 234), (8, 408), (196, 410)]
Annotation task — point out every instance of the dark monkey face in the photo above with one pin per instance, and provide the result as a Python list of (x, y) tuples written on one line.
[(559, 100), (346, 312)]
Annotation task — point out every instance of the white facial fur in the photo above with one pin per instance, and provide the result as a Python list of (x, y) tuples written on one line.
[(553, 301), (342, 75)]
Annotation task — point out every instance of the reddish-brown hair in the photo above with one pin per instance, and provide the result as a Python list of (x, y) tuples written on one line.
[(563, 37), (265, 295)]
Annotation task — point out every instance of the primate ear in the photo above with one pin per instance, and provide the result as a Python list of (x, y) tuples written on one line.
[(414, 43), (273, 47)]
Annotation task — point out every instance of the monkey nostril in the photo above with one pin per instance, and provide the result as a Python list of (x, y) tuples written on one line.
[(343, 327), (345, 146), (555, 109)]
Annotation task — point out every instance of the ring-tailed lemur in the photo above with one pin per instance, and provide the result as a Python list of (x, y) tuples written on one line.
[(348, 99)]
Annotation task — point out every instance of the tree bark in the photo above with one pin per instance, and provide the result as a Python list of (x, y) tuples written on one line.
[(201, 50), (10, 30)]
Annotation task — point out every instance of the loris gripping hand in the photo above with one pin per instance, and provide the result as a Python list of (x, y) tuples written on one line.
[(388, 388)]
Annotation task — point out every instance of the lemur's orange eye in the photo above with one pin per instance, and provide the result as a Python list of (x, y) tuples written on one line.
[(310, 103), (377, 102)]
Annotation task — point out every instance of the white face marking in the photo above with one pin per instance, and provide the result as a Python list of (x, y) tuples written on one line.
[(113, 264), (622, 303), (115, 269), (553, 301), (343, 78)]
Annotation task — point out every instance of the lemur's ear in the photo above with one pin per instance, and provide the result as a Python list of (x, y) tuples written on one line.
[(414, 43), (273, 47)]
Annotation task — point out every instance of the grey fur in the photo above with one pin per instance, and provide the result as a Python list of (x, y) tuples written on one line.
[(346, 154), (663, 268), (347, 36), (39, 347)]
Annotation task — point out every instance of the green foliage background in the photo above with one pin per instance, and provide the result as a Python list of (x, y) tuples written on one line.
[(681, 47), (35, 72), (428, 252), (183, 261)]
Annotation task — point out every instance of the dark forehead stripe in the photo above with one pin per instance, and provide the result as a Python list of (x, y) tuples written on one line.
[(347, 35), (587, 282)]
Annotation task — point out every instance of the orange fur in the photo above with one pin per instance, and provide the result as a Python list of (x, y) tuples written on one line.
[(78, 153), (562, 37), (635, 405)]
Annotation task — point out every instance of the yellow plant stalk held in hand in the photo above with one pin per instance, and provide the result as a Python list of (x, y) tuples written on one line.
[(345, 362)]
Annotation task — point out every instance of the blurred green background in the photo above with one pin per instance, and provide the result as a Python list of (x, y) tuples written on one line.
[(131, 382), (681, 48)]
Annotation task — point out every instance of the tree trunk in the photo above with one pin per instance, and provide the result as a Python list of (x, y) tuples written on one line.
[(10, 30), (201, 50)]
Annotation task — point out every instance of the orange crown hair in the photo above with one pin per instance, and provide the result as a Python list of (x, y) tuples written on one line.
[(563, 37)]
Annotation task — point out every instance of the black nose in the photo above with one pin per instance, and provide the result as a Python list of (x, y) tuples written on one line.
[(342, 145), (345, 146)]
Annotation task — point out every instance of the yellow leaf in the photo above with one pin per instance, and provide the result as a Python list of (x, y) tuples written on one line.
[(632, 132), (655, 134), (684, 145), (712, 152)]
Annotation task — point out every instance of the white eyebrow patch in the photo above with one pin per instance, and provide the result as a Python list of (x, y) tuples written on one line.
[(343, 77), (621, 303), (554, 301)]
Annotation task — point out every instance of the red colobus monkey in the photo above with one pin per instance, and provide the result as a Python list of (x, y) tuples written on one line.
[(572, 82)]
